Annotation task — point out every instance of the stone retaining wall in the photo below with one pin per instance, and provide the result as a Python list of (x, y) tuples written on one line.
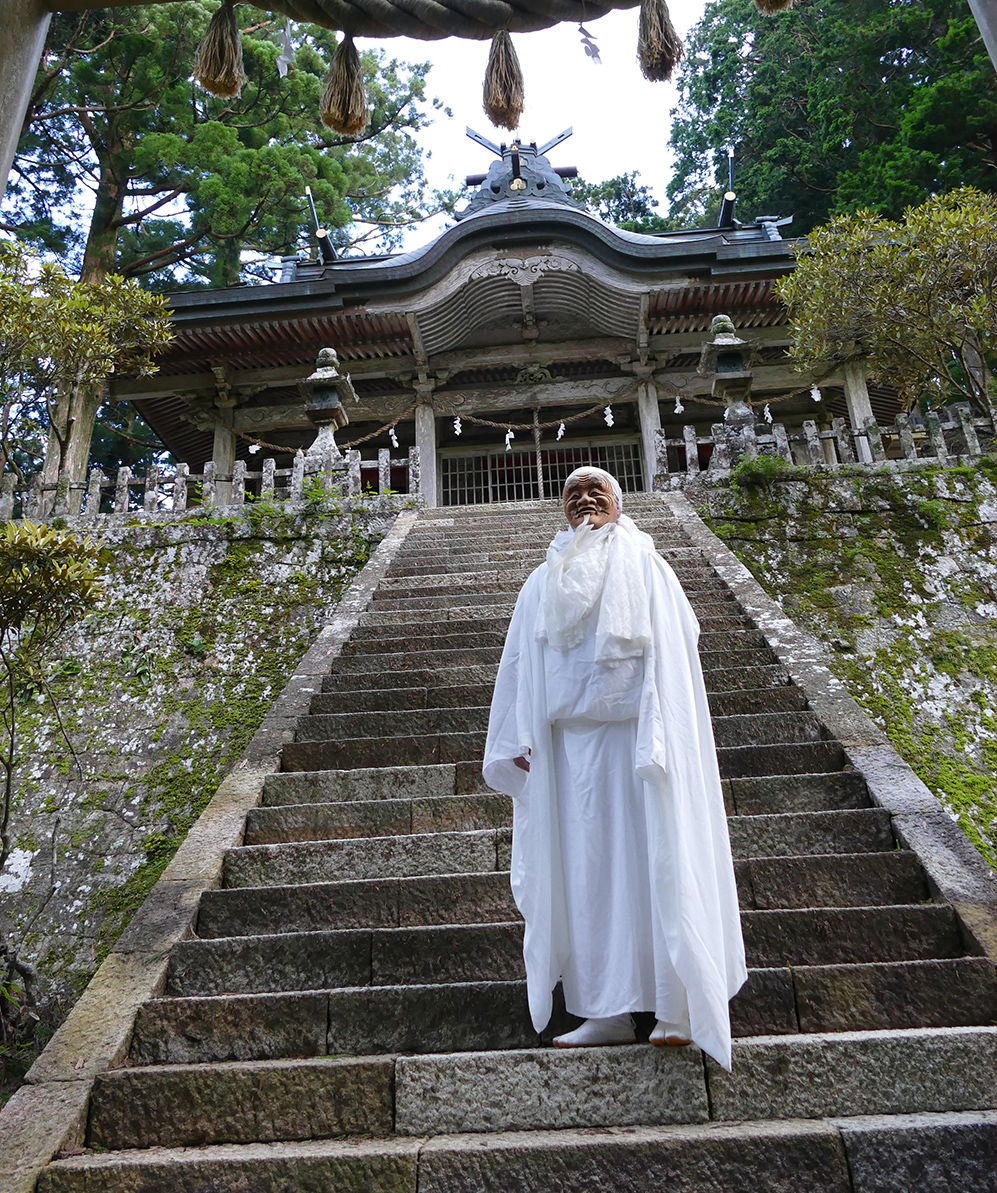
[(201, 623), (895, 573)]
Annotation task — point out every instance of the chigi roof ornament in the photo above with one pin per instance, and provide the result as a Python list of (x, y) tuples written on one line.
[(522, 172)]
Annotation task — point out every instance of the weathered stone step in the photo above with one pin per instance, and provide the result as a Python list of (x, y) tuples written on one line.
[(817, 1155), (877, 1072), (741, 729), (365, 903), (456, 587), (363, 1021), (752, 796), (390, 641), (446, 562), (808, 757), (496, 619), (764, 884), (241, 1102), (862, 996), (376, 818), (699, 597), (266, 1101), (485, 656), (410, 854), (719, 679), (752, 700)]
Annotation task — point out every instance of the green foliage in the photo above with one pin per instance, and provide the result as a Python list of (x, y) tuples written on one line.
[(917, 300), (185, 183), (834, 105), (60, 338), (760, 470), (621, 201)]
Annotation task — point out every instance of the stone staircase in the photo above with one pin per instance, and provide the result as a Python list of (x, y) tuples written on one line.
[(352, 1012)]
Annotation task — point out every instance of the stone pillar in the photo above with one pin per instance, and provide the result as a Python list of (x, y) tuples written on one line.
[(650, 423), (425, 441), (223, 458), (24, 24), (859, 406)]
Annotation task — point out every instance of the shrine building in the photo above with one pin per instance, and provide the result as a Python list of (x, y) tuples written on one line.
[(529, 315)]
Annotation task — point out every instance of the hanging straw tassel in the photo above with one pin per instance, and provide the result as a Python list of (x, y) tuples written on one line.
[(218, 64), (770, 7), (343, 106), (503, 97), (659, 47)]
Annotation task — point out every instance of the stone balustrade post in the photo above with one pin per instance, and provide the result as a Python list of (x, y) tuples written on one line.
[(297, 477), (35, 498), (720, 459), (781, 442), (843, 436), (94, 486), (903, 432), (150, 496), (936, 436), (121, 490), (749, 442), (8, 488), (353, 482), (383, 469), (267, 481), (414, 472), (237, 495), (811, 436), (964, 417), (691, 450), (60, 507), (875, 440), (660, 478), (180, 488), (209, 487)]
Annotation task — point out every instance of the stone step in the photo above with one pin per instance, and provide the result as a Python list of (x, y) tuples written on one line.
[(391, 642), (779, 835), (752, 796), (700, 598), (741, 729), (719, 679), (456, 587), (818, 1155), (448, 561), (447, 955), (420, 1019), (393, 855), (764, 884), (386, 664), (753, 700), (496, 618), (777, 759)]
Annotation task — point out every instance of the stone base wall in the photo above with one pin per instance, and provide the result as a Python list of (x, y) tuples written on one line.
[(201, 622), (895, 573)]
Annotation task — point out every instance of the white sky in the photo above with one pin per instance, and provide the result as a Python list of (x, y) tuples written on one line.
[(621, 121)]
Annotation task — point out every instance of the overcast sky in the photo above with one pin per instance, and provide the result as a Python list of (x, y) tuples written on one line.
[(621, 121)]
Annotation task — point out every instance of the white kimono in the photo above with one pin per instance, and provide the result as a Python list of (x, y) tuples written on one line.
[(621, 864)]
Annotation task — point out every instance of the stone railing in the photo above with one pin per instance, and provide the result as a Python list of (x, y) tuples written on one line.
[(955, 440), (176, 492)]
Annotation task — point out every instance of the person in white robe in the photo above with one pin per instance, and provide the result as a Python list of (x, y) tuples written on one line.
[(600, 732)]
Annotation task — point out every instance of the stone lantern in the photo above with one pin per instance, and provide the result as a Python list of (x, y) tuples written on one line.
[(324, 391), (727, 357)]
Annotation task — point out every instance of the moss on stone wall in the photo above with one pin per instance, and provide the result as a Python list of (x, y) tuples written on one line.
[(894, 572), (200, 626)]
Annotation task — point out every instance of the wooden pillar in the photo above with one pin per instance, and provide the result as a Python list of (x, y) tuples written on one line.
[(650, 424), (24, 24), (859, 406), (425, 441), (223, 458)]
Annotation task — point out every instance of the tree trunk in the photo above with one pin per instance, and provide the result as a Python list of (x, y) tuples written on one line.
[(75, 409)]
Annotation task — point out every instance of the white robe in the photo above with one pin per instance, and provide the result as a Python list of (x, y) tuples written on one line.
[(621, 864)]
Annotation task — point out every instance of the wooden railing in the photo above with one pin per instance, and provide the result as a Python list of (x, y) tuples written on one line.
[(183, 490)]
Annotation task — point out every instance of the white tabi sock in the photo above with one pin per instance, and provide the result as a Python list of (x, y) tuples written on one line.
[(617, 1029), (671, 1033)]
